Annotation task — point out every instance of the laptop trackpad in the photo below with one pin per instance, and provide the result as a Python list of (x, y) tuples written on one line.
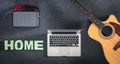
[(64, 51)]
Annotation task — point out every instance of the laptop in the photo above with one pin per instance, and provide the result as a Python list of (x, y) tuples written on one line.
[(64, 42)]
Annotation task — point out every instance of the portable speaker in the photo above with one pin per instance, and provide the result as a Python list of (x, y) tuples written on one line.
[(26, 16)]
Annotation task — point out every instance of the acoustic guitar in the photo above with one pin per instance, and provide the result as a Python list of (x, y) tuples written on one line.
[(107, 33)]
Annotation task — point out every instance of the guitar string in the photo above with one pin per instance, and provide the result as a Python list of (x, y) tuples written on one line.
[(84, 10), (97, 24)]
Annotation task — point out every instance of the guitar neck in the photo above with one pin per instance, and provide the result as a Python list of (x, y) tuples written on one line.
[(86, 12)]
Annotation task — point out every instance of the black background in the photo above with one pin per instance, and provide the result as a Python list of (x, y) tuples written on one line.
[(55, 14)]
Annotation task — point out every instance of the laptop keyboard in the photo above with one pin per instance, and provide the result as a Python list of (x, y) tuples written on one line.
[(64, 40)]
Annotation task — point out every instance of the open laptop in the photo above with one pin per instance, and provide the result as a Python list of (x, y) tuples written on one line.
[(64, 42)]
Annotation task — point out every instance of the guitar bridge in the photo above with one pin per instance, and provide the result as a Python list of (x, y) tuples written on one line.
[(117, 46)]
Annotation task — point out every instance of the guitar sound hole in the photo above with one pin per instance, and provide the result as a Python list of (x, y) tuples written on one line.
[(107, 31)]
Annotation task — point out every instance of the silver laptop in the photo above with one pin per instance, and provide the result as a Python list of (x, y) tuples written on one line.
[(64, 42)]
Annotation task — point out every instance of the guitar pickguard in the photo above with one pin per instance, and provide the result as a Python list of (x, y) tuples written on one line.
[(117, 27)]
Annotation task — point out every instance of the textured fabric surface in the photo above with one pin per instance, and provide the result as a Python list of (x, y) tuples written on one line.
[(55, 14)]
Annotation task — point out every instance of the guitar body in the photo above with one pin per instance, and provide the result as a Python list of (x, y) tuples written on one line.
[(107, 33), (107, 43)]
